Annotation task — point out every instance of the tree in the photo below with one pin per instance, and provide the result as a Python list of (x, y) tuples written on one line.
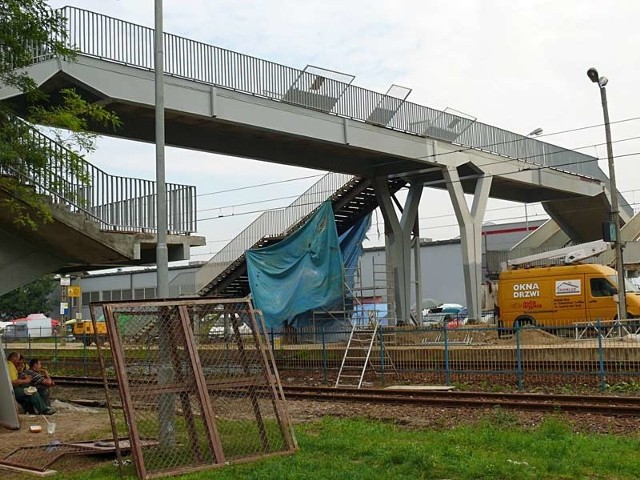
[(32, 298), (31, 31)]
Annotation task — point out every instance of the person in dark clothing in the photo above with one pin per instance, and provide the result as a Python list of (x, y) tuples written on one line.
[(30, 401), (41, 380)]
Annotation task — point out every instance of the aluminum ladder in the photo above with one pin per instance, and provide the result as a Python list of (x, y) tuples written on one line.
[(357, 356)]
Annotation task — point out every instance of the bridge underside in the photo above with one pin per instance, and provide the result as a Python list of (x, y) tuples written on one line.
[(72, 243), (205, 118)]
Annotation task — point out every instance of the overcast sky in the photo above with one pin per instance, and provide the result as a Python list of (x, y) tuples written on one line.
[(516, 65)]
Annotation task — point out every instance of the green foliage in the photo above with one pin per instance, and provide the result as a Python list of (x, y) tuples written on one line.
[(630, 386), (30, 32), (32, 298)]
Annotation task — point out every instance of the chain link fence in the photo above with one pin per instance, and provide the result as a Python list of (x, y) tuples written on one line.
[(190, 405)]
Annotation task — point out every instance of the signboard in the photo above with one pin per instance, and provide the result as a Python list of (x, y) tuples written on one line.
[(64, 308), (568, 287), (73, 291), (65, 281)]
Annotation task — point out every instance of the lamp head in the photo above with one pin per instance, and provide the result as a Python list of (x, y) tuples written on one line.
[(592, 73)]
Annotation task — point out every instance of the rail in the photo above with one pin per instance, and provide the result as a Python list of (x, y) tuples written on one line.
[(116, 203), (622, 406)]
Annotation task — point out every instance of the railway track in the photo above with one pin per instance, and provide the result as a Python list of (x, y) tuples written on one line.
[(602, 405)]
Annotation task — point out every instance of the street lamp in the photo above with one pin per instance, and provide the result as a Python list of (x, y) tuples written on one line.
[(593, 75)]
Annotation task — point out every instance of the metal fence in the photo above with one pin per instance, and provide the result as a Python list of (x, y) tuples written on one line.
[(114, 202), (592, 355), (320, 89), (587, 355), (190, 408)]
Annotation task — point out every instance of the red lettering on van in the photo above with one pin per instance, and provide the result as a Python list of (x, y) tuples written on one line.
[(531, 305)]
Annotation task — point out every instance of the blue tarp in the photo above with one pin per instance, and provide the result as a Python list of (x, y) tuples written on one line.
[(351, 247), (301, 273)]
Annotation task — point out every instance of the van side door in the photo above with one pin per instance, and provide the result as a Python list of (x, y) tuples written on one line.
[(600, 304)]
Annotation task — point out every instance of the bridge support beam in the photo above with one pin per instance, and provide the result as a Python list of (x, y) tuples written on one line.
[(470, 222), (398, 240)]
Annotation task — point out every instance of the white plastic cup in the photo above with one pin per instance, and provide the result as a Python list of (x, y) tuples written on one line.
[(51, 428)]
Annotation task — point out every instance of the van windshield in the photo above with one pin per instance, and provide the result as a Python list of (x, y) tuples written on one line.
[(628, 286)]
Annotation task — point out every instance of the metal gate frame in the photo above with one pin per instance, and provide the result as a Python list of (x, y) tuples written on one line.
[(184, 332)]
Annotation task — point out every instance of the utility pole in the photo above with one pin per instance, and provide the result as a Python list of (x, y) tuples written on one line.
[(166, 401)]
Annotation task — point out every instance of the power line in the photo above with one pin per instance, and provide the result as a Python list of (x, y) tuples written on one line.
[(261, 185), (577, 129), (250, 203), (258, 185), (437, 182)]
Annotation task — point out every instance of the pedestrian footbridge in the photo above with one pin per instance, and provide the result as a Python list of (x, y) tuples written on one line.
[(229, 103)]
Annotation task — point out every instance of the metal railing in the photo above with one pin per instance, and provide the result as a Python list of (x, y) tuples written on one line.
[(111, 39), (115, 203), (271, 223)]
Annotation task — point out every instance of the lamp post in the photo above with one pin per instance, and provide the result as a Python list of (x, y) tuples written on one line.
[(593, 75), (534, 133)]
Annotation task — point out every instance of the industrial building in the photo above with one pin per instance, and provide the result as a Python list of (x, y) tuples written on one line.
[(442, 274)]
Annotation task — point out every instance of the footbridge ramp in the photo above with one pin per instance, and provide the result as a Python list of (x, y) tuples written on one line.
[(226, 102)]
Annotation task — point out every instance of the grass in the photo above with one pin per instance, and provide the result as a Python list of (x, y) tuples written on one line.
[(491, 449)]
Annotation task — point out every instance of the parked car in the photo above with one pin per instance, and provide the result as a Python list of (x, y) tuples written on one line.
[(447, 313)]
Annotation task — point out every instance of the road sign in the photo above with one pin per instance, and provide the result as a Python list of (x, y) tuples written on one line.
[(73, 291), (65, 281)]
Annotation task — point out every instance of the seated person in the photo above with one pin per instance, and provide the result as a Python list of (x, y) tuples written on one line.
[(40, 379), (31, 403)]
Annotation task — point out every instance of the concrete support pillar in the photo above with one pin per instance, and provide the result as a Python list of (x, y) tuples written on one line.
[(470, 222), (398, 241), (417, 270)]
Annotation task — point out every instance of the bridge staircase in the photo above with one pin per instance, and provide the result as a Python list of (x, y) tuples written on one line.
[(97, 220), (225, 275)]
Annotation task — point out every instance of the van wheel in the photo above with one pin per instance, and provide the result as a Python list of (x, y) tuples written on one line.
[(522, 321)]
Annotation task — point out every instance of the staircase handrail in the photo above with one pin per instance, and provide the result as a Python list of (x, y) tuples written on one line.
[(271, 223), (115, 202)]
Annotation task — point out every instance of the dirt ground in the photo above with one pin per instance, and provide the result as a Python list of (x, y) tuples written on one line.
[(75, 423)]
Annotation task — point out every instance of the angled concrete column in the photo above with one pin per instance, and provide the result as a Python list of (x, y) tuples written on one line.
[(470, 234), (398, 241)]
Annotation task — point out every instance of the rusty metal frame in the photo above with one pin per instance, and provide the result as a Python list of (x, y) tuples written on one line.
[(256, 313), (181, 335), (201, 384), (123, 387)]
